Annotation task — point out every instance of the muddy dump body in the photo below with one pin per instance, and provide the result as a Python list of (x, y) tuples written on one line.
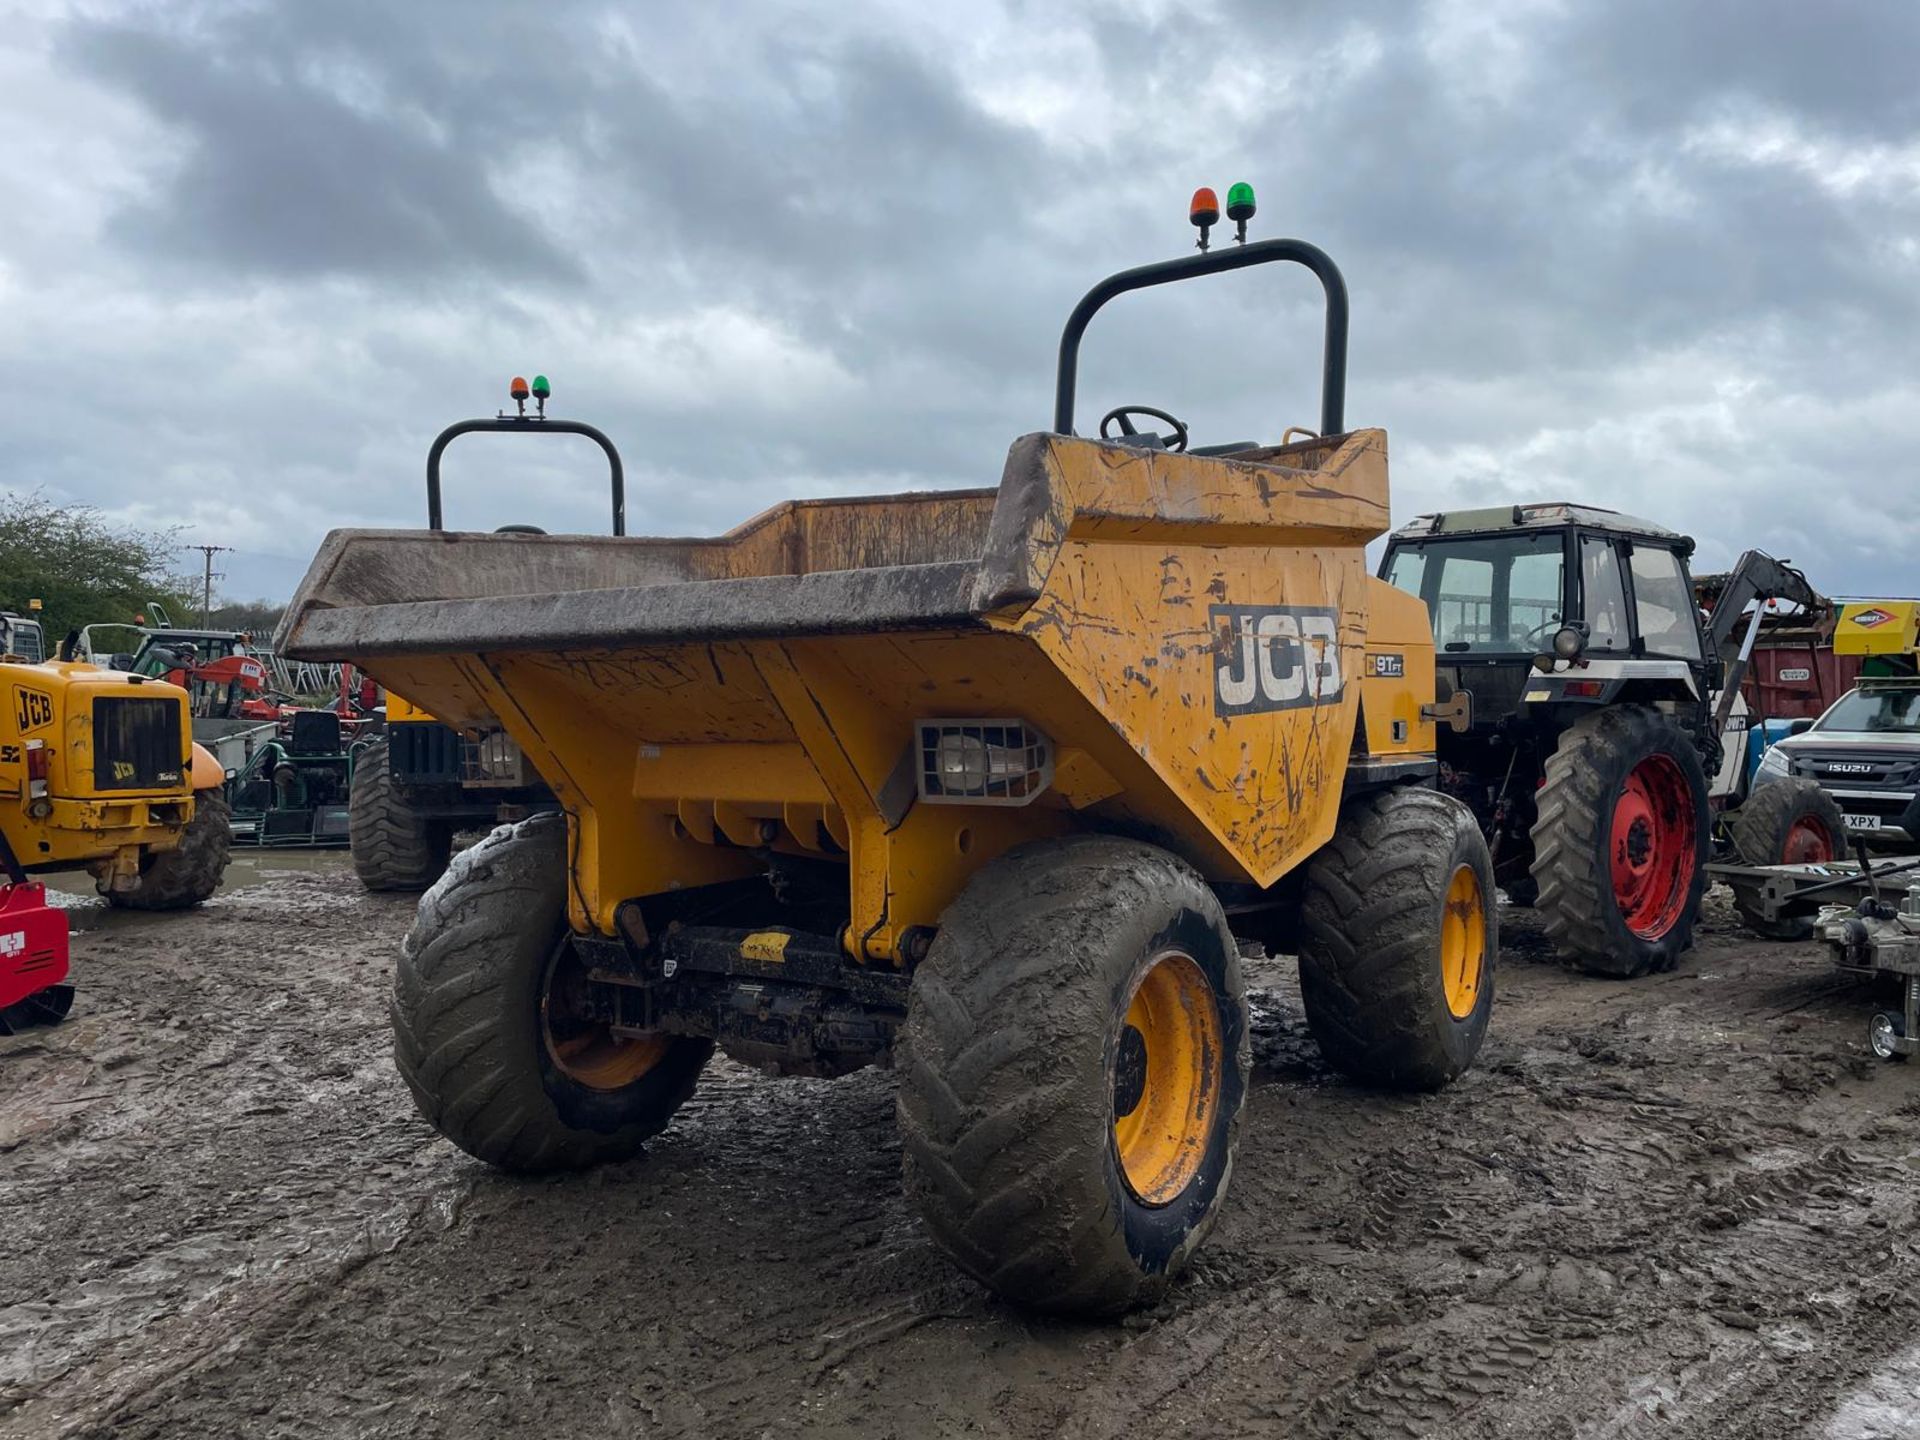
[(1187, 638)]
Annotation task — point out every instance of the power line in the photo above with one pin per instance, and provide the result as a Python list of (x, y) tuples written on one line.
[(206, 593)]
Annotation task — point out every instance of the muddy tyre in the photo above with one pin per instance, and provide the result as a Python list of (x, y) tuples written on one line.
[(1400, 933), (1620, 845), (488, 1031), (1790, 822), (1074, 1065), (394, 846), (189, 873)]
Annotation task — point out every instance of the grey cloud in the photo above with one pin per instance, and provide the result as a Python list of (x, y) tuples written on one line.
[(282, 179), (1556, 290)]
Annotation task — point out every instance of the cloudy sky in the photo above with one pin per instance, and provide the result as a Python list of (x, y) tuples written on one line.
[(1653, 255)]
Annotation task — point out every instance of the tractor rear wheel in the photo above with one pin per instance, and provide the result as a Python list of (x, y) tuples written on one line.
[(395, 847), (190, 872), (491, 1029), (1790, 822), (1401, 931), (1620, 846), (1074, 1065)]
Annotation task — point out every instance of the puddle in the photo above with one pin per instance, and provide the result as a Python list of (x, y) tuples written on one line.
[(246, 869)]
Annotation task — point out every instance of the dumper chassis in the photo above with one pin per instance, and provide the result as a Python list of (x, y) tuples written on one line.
[(988, 785)]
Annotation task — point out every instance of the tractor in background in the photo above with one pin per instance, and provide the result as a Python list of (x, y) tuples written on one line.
[(217, 668), (1594, 707), (22, 636)]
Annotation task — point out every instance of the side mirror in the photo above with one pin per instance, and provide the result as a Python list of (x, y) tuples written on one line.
[(1800, 726)]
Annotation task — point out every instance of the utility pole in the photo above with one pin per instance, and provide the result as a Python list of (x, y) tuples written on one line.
[(206, 593)]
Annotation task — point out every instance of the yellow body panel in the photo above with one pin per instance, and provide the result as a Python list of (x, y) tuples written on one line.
[(400, 709), (1878, 627), (1197, 637)]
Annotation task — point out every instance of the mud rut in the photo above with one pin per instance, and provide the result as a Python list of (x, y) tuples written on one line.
[(1681, 1206)]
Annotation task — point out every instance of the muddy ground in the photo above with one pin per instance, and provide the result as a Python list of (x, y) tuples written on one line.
[(1682, 1206)]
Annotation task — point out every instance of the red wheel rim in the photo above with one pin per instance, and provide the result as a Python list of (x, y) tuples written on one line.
[(1655, 850), (1808, 842)]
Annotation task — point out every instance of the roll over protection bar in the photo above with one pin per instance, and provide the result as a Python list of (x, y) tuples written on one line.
[(525, 425), (1333, 368)]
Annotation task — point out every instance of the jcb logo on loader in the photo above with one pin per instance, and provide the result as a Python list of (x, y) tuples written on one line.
[(123, 770), (1274, 657), (32, 709)]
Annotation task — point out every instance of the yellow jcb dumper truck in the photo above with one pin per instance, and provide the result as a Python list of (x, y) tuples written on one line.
[(983, 783)]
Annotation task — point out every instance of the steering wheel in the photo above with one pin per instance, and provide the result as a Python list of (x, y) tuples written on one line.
[(1119, 415), (1541, 630)]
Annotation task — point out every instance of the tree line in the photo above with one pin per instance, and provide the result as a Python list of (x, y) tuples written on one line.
[(85, 570)]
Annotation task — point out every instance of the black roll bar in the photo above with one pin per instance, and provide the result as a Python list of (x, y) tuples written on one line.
[(525, 425), (1333, 372)]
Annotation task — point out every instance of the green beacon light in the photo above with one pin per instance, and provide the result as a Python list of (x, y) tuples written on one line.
[(541, 390), (1240, 209)]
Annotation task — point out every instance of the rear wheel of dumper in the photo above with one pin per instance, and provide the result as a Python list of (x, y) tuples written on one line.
[(1790, 822), (1074, 1067), (493, 1029), (1401, 931), (190, 872), (394, 846), (1620, 848)]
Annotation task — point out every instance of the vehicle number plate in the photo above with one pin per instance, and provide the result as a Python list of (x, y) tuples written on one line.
[(1862, 822)]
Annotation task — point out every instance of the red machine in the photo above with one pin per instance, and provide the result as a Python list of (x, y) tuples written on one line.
[(33, 952)]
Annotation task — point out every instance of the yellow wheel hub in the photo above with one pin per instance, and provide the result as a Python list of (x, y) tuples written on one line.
[(1463, 942), (1167, 1077), (581, 1046)]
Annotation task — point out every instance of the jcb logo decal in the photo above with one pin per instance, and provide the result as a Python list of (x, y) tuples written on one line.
[(123, 770), (32, 709), (1274, 657)]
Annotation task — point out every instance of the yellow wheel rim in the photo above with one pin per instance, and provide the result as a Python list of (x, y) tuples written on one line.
[(1463, 942), (582, 1046), (1168, 1071)]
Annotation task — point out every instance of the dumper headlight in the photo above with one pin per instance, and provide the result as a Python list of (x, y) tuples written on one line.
[(983, 762)]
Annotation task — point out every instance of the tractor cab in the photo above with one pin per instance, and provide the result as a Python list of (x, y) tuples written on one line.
[(218, 668), (1554, 605), (21, 637)]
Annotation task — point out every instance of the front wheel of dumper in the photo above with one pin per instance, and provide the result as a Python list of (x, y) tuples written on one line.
[(1074, 1065), (1401, 932), (494, 1029)]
